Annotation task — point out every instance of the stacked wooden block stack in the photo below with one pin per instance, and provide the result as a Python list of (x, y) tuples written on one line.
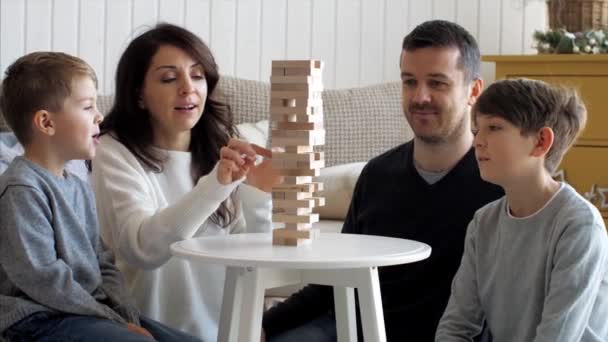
[(296, 113)]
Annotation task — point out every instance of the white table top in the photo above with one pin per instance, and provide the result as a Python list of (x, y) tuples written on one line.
[(328, 251)]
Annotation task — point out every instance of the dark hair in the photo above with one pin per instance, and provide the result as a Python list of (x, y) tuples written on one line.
[(132, 126), (441, 33), (531, 105), (38, 81)]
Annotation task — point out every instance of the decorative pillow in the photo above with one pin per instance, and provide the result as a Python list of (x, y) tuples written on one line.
[(254, 132), (338, 185)]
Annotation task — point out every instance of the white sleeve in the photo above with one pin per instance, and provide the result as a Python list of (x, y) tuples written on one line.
[(256, 206), (143, 233)]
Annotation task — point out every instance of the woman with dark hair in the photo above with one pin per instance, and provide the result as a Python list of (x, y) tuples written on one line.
[(167, 169)]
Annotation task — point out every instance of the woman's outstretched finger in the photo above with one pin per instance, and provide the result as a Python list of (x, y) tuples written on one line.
[(264, 152), (242, 147)]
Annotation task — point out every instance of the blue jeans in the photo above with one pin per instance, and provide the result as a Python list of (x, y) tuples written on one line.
[(48, 327), (320, 329)]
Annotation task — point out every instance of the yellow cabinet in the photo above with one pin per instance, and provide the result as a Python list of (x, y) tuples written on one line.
[(585, 166)]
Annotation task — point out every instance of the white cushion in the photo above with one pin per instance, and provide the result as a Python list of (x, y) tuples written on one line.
[(338, 185), (254, 132)]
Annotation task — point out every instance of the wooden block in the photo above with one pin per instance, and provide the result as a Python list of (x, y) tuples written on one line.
[(294, 94), (319, 201), (288, 188), (316, 138), (292, 211), (295, 118), (290, 242), (297, 179), (298, 165), (298, 226), (308, 218), (296, 125), (318, 186), (300, 102), (315, 164), (284, 133), (294, 79), (298, 149), (303, 203), (278, 195), (305, 63), (307, 110), (302, 157), (296, 87), (278, 71), (299, 172), (286, 233), (302, 72), (296, 195)]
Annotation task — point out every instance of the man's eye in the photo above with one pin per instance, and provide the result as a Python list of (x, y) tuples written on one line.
[(436, 84), (167, 80), (409, 83)]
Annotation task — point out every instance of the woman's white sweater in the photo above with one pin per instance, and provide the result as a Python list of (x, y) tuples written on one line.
[(141, 213)]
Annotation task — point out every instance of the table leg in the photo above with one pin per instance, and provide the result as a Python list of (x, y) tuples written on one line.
[(370, 301), (253, 306), (346, 316), (231, 303)]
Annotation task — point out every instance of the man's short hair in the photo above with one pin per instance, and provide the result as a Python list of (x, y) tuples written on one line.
[(38, 81), (441, 33), (531, 105)]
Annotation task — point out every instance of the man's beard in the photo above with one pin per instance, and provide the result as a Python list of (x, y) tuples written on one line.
[(452, 133)]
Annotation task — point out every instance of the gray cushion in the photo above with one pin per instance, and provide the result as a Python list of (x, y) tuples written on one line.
[(360, 122)]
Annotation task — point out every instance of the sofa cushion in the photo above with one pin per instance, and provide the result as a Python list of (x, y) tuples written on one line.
[(338, 185)]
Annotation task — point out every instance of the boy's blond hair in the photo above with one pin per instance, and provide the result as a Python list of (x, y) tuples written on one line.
[(532, 105), (38, 81)]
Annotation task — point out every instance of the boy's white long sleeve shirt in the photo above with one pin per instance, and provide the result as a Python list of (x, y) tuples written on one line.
[(142, 213)]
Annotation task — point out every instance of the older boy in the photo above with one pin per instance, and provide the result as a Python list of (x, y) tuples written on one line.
[(57, 280), (535, 265)]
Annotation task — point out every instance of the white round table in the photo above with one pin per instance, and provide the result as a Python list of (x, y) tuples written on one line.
[(345, 261)]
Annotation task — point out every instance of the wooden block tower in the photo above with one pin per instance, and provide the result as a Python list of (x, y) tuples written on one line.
[(296, 115)]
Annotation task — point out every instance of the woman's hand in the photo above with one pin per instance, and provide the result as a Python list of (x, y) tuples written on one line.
[(263, 176), (235, 161)]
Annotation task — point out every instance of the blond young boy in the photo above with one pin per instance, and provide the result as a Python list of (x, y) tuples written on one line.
[(535, 266), (57, 279)]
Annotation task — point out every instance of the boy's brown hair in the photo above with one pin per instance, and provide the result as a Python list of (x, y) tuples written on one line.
[(532, 105), (38, 81)]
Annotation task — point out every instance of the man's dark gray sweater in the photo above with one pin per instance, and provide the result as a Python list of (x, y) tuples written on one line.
[(51, 255)]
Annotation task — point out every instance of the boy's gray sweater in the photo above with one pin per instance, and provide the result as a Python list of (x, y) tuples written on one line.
[(51, 255), (539, 278)]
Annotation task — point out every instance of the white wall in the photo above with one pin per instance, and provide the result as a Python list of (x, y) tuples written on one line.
[(359, 40)]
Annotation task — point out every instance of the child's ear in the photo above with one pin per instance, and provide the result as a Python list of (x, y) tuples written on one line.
[(43, 122), (544, 141)]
